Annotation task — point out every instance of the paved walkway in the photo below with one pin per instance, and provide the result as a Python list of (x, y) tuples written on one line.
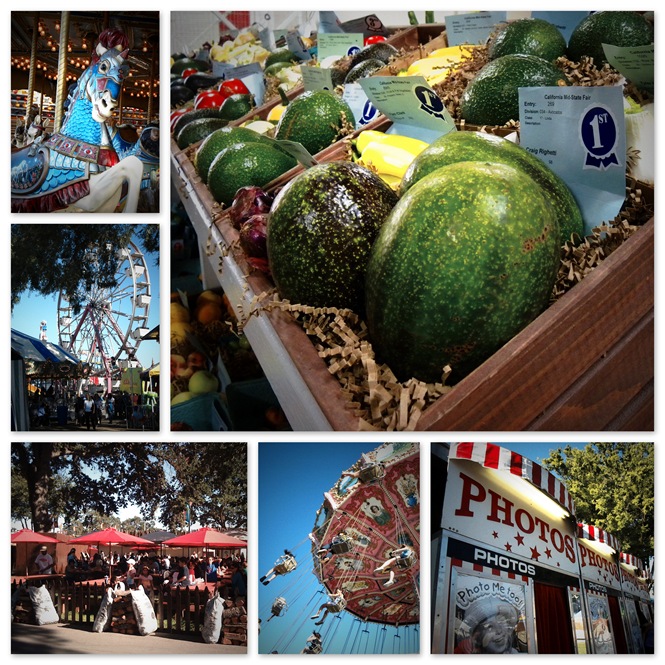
[(64, 639)]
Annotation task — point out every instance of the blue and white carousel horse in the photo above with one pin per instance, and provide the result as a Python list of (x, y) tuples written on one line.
[(86, 166)]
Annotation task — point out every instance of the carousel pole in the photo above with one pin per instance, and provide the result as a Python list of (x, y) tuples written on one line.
[(33, 67), (61, 86), (151, 87)]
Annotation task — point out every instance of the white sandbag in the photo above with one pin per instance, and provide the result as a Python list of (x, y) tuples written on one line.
[(104, 617), (143, 611), (43, 605), (212, 621)]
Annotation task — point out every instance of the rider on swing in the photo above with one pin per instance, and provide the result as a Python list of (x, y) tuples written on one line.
[(403, 557), (285, 564), (336, 603)]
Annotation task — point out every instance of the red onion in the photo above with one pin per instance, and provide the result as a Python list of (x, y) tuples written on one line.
[(253, 236), (248, 201)]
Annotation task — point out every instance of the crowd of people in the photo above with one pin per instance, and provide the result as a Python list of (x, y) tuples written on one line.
[(90, 410), (228, 574)]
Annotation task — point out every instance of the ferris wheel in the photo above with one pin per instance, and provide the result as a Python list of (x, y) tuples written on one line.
[(107, 330)]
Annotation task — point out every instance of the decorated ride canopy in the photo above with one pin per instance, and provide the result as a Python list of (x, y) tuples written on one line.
[(491, 456), (43, 359), (372, 513)]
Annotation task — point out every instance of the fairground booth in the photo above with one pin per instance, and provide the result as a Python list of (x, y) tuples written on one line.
[(513, 571)]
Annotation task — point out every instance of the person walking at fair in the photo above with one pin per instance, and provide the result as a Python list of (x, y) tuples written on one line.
[(44, 562), (89, 412)]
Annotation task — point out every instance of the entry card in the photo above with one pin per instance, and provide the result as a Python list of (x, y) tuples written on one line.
[(363, 110), (635, 63), (473, 28), (340, 44), (408, 100), (579, 132), (329, 23), (316, 78), (368, 25), (566, 22), (295, 45)]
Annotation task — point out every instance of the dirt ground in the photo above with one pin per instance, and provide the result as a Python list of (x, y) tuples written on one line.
[(64, 639)]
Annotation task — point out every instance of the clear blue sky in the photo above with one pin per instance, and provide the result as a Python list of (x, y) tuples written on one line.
[(34, 308), (292, 480)]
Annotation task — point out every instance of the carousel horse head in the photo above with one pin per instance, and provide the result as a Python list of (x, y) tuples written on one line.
[(104, 81)]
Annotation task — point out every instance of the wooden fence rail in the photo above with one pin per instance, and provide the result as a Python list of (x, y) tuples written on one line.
[(178, 610)]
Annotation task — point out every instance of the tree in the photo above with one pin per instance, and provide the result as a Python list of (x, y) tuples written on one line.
[(97, 476), (84, 480), (613, 488), (70, 257), (210, 478), (20, 501)]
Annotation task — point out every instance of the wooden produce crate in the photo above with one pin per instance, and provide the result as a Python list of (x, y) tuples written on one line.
[(585, 364)]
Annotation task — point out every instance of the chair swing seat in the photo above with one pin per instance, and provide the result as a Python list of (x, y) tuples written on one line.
[(406, 562), (341, 547), (372, 472), (286, 565)]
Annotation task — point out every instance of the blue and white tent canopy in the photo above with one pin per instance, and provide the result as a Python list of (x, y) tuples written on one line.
[(45, 359)]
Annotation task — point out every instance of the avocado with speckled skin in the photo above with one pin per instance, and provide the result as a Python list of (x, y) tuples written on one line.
[(197, 130), (466, 259), (479, 146), (492, 97), (615, 28), (321, 229), (528, 36), (315, 119), (364, 69), (243, 164), (217, 141)]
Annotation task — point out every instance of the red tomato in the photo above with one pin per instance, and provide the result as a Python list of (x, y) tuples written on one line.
[(189, 71), (234, 87), (175, 115), (208, 98), (373, 39)]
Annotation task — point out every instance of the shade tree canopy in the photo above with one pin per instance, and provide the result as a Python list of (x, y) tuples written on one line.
[(75, 480), (48, 259), (613, 488)]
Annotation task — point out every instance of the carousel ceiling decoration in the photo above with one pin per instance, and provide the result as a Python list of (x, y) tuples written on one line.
[(142, 29)]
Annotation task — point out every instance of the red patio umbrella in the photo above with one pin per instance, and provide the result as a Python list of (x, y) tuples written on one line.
[(205, 537), (110, 537), (27, 536)]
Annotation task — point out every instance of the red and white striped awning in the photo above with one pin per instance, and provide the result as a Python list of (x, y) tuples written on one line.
[(591, 532), (631, 560), (492, 456)]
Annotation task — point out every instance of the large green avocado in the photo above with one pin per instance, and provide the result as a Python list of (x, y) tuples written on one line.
[(315, 119), (217, 141), (615, 28), (529, 36), (466, 259), (478, 146), (492, 97), (242, 164), (321, 229), (197, 130)]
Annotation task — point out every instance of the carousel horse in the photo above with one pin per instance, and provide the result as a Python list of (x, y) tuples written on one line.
[(86, 166)]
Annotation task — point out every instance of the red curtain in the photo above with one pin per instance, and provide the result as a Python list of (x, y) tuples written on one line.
[(554, 628), (617, 625)]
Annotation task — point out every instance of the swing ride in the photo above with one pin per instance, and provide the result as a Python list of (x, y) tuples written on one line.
[(365, 547)]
